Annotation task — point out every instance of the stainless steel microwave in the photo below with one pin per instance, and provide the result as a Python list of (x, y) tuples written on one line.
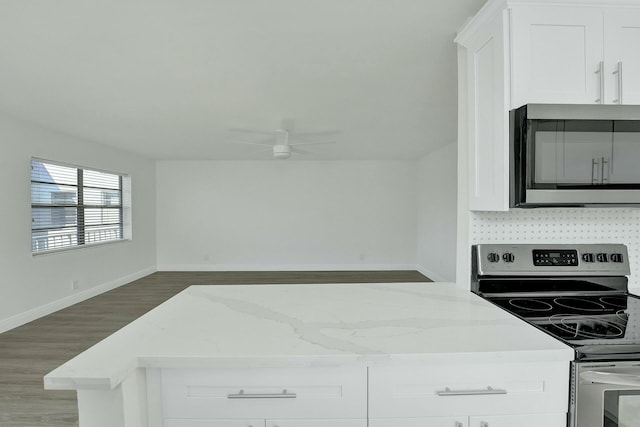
[(574, 155)]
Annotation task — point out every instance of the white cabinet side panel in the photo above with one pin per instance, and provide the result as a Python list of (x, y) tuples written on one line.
[(488, 155)]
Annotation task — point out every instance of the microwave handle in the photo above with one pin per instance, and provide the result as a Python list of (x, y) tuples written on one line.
[(595, 179), (604, 177), (612, 378)]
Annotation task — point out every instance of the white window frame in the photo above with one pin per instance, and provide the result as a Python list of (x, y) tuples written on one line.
[(125, 229)]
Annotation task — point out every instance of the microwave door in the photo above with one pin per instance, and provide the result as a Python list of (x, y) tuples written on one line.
[(576, 162), (571, 153)]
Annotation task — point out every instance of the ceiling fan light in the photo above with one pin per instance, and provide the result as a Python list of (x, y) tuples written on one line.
[(281, 152)]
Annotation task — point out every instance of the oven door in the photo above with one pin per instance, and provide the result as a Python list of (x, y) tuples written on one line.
[(608, 395)]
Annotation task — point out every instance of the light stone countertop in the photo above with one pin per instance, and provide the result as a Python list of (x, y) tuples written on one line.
[(310, 325)]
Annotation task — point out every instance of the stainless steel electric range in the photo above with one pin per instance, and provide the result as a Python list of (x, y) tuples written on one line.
[(579, 295)]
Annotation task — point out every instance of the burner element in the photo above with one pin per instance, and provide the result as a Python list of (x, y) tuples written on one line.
[(530, 304), (585, 327), (579, 304)]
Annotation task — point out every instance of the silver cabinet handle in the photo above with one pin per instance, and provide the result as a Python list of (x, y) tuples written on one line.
[(458, 424), (600, 72), (594, 171), (484, 424), (242, 395), (618, 71), (489, 390)]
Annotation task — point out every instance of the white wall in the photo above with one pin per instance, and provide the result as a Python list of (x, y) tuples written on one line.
[(32, 286), (286, 215), (437, 197)]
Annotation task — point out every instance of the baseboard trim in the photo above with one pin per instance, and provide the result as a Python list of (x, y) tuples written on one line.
[(43, 310), (431, 275), (294, 267)]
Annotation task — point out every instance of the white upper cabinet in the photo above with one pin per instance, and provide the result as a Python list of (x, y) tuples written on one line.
[(575, 55), (622, 55), (556, 55), (518, 52)]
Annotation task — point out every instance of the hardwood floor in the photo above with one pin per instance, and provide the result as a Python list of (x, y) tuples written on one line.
[(29, 352)]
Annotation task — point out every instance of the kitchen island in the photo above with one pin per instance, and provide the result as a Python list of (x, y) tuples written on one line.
[(347, 355)]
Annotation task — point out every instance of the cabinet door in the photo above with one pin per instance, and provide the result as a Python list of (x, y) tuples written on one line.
[(461, 421), (262, 393), (622, 58), (531, 420), (555, 53), (317, 423), (488, 118)]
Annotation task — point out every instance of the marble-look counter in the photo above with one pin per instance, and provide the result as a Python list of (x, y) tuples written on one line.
[(309, 325)]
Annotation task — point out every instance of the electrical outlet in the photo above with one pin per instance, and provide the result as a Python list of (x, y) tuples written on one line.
[(75, 284)]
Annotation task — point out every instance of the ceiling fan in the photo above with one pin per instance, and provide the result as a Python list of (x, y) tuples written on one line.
[(279, 144)]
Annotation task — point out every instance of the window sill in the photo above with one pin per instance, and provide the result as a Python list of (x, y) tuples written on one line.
[(79, 247)]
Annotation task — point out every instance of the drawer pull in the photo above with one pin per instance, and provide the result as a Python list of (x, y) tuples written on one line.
[(489, 390), (242, 395)]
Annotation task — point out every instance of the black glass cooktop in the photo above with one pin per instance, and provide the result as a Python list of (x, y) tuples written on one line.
[(592, 324), (546, 306)]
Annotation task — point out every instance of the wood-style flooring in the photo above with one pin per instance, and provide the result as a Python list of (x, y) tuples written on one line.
[(29, 352)]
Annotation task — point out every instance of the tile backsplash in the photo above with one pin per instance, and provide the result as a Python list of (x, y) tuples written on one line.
[(563, 225)]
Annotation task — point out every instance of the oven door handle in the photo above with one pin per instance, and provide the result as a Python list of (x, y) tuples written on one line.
[(612, 378)]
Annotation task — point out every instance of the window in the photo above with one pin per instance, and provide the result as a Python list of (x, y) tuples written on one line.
[(72, 206)]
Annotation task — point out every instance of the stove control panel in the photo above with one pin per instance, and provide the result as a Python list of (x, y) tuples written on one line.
[(550, 259)]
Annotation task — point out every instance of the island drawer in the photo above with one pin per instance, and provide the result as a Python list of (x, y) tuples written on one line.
[(474, 388), (264, 393)]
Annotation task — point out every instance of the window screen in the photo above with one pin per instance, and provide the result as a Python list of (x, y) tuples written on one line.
[(72, 206)]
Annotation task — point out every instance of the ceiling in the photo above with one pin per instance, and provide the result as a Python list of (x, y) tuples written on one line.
[(169, 79)]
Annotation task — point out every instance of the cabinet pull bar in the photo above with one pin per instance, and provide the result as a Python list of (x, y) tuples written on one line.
[(600, 73), (242, 395), (594, 171), (489, 390), (619, 73)]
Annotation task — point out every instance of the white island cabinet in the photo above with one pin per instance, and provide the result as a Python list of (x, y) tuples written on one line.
[(378, 355), (517, 52)]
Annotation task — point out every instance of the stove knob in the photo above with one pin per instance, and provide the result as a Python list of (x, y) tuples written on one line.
[(493, 257), (588, 258), (602, 257), (508, 257), (616, 258)]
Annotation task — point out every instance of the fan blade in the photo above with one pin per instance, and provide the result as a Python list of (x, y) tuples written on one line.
[(264, 143), (312, 143), (254, 131), (299, 151), (262, 151), (307, 135)]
